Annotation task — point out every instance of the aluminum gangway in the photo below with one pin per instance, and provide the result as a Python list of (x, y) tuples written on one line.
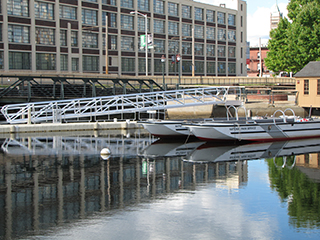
[(56, 111)]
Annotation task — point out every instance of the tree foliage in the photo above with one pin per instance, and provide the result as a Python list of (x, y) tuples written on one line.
[(296, 41)]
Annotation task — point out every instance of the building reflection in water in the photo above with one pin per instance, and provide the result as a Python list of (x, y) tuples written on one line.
[(47, 182)]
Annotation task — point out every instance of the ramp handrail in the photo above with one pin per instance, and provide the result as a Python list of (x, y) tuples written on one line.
[(130, 103)]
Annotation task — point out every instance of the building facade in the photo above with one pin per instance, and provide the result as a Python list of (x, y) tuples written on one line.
[(254, 62), (69, 36)]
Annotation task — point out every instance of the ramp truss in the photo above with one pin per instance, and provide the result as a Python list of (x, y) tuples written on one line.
[(57, 111)]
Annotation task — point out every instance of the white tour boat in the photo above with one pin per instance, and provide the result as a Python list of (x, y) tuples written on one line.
[(258, 129)]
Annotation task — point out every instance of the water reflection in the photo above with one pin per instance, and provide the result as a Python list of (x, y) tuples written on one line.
[(49, 181)]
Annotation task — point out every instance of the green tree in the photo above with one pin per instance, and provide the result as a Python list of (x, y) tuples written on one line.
[(295, 42)]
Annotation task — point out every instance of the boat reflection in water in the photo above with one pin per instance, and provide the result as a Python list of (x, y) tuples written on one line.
[(52, 182), (209, 152)]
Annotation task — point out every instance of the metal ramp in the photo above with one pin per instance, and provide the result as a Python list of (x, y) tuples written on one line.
[(56, 111)]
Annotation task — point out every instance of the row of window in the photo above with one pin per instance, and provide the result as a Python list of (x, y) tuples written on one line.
[(128, 65), (306, 87), (45, 10), (21, 34), (47, 61)]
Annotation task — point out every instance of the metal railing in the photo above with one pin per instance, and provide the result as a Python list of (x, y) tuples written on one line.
[(56, 111)]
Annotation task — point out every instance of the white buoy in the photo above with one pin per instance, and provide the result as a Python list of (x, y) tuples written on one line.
[(105, 153)]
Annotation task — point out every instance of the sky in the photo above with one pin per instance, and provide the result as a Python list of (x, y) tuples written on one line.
[(258, 17)]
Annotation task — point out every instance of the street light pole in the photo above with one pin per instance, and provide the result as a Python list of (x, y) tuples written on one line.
[(163, 60), (146, 35), (107, 62), (178, 60)]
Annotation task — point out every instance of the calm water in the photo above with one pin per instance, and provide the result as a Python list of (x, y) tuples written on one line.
[(61, 188)]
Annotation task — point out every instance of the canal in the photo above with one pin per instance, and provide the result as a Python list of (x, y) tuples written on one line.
[(61, 187)]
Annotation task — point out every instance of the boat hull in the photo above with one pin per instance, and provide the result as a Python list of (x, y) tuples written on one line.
[(166, 129), (268, 131)]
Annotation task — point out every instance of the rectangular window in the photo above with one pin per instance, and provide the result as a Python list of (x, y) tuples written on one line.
[(64, 62), (113, 42), (231, 35), (186, 66), (231, 52), (18, 7), (198, 31), (89, 40), (159, 66), (221, 34), (127, 22), (186, 11), (306, 87), (0, 32), (75, 64), (159, 46), (19, 60), (127, 43), (128, 65), (67, 12), (45, 36), (90, 63), (318, 87), (173, 9), (232, 68), (241, 21), (110, 2), (211, 49), (18, 34), (198, 49), (44, 10), (210, 16), (45, 61), (89, 17), (211, 67), (198, 14), (221, 18), (199, 67), (186, 48), (74, 39), (112, 19), (143, 5), (126, 3), (141, 24), (221, 51), (1, 60), (221, 67), (231, 19), (63, 37), (241, 36), (186, 30), (158, 26), (173, 28), (211, 33), (173, 47), (142, 65), (158, 6)]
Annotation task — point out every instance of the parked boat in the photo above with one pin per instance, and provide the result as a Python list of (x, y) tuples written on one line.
[(258, 129), (169, 128)]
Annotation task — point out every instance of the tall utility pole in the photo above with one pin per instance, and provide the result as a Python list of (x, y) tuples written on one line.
[(146, 35)]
